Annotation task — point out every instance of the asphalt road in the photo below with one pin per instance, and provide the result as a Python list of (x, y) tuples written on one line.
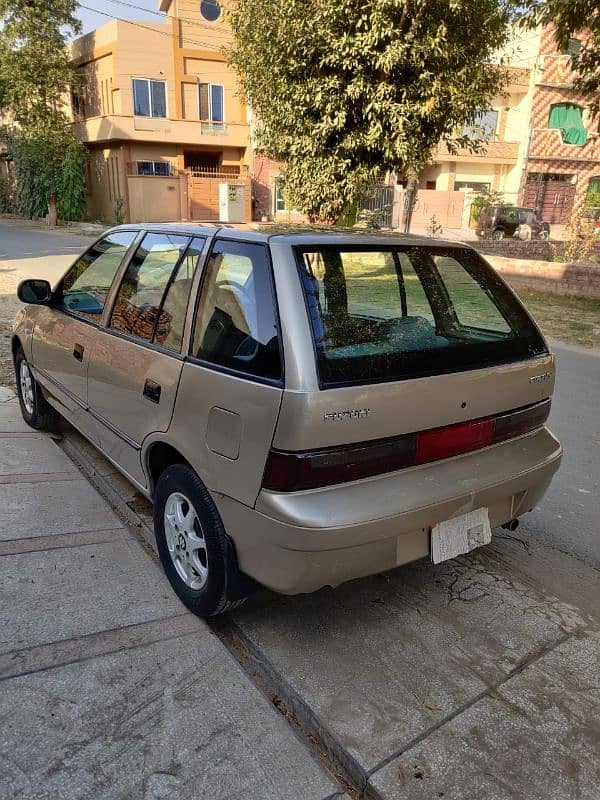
[(18, 243), (569, 516)]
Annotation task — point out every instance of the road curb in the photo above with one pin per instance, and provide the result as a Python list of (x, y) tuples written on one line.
[(308, 726)]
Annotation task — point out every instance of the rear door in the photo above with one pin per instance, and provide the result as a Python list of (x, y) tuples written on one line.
[(231, 384), (401, 339), (135, 370), (65, 334)]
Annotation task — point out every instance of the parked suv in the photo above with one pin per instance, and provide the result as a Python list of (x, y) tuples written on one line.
[(498, 222), (302, 409)]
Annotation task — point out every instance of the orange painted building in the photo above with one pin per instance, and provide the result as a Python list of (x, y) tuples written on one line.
[(161, 116)]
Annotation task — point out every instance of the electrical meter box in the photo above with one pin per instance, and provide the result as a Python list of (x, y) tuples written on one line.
[(232, 202)]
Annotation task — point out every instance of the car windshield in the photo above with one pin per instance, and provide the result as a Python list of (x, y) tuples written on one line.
[(390, 313)]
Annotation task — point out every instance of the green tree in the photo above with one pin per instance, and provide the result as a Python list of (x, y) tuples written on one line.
[(36, 74), (568, 18), (34, 63), (345, 91)]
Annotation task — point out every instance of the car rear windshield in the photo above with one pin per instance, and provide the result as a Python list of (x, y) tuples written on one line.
[(391, 313)]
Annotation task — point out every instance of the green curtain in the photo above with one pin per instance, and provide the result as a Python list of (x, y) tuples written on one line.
[(567, 117)]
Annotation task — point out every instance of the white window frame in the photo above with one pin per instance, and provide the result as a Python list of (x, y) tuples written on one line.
[(277, 192), (149, 81), (210, 110)]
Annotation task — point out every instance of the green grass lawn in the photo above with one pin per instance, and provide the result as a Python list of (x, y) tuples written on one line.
[(571, 319), (372, 285)]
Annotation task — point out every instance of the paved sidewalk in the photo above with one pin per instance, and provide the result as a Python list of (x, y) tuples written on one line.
[(476, 679), (109, 689)]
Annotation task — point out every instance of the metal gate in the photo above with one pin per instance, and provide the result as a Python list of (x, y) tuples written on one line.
[(380, 201), (553, 199), (203, 193)]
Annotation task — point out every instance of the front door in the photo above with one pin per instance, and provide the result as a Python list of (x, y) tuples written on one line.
[(65, 333), (136, 365)]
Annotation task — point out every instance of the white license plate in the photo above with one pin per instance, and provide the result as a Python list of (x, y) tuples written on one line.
[(460, 535)]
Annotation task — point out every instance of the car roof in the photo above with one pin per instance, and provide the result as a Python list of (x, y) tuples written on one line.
[(293, 235)]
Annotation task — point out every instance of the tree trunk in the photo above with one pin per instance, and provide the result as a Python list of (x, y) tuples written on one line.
[(52, 217), (409, 203)]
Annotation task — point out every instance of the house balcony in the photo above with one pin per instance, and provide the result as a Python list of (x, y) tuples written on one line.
[(548, 143), (556, 72), (518, 80), (114, 127), (492, 153)]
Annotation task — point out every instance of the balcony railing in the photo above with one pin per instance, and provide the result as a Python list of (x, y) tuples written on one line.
[(214, 128), (493, 151)]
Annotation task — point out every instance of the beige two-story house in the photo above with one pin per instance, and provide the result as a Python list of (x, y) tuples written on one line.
[(162, 118)]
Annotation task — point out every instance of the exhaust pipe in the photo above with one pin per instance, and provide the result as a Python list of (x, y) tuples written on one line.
[(512, 525)]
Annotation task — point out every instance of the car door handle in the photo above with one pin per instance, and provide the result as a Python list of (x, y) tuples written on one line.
[(78, 352), (152, 390)]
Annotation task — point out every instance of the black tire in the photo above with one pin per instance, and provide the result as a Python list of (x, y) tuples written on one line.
[(36, 410), (211, 598), (497, 234)]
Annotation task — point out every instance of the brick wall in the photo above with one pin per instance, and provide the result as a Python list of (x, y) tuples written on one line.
[(516, 248), (556, 278)]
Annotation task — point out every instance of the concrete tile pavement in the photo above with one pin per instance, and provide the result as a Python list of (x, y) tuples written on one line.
[(108, 687), (456, 680)]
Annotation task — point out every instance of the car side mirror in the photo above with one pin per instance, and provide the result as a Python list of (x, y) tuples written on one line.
[(36, 291)]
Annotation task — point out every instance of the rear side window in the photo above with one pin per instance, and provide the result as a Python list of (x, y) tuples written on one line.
[(394, 313), (176, 298), (236, 321), (86, 285), (138, 308)]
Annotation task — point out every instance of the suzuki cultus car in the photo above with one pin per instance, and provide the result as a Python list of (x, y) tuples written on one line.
[(302, 408)]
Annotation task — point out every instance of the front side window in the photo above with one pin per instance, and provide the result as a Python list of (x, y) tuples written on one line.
[(149, 98), (138, 308), (393, 313), (177, 295), (211, 102), (236, 323), (86, 285)]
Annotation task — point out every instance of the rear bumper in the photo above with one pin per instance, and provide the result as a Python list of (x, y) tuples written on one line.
[(301, 541)]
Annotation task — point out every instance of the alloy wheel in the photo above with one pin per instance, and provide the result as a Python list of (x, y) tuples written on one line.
[(26, 385), (185, 541)]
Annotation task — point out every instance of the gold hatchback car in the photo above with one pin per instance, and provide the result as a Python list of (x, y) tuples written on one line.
[(302, 408)]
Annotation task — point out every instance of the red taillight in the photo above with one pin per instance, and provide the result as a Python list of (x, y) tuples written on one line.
[(453, 440), (289, 472)]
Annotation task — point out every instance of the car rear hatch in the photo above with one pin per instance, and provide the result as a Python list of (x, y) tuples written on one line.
[(419, 353)]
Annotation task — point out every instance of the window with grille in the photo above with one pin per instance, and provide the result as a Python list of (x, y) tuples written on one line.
[(162, 168)]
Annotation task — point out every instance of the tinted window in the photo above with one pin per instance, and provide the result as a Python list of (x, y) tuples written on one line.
[(391, 313), (473, 307), (175, 304), (138, 306), (236, 323), (85, 286)]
